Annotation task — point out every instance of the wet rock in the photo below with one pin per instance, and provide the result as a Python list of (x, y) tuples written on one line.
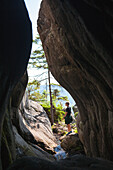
[(72, 144)]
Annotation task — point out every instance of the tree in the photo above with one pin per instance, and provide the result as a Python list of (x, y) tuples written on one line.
[(32, 87), (55, 93), (51, 102), (38, 60)]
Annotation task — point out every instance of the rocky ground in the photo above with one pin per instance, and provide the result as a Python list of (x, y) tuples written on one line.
[(35, 143), (34, 135), (70, 143), (78, 162)]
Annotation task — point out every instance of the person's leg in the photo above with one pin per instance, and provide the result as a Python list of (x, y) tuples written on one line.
[(69, 127)]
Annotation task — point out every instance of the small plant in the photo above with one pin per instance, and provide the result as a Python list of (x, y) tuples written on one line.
[(75, 130), (76, 114)]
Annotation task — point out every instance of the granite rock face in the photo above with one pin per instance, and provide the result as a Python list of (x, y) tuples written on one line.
[(25, 148), (34, 125), (15, 47), (77, 37), (26, 128), (8, 145)]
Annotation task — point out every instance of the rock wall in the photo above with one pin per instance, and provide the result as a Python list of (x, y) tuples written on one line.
[(8, 145), (78, 162), (15, 47), (34, 125), (26, 129), (77, 37)]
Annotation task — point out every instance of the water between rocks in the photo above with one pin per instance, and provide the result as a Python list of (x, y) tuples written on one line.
[(60, 153)]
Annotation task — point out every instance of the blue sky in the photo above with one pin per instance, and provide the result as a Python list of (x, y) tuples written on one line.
[(33, 9)]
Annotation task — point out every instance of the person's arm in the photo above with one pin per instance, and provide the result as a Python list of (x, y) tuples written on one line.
[(65, 115)]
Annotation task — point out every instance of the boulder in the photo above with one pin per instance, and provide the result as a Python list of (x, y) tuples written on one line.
[(19, 135), (15, 48), (34, 125), (72, 144), (82, 162), (8, 146), (78, 162), (80, 126), (59, 128), (25, 148), (77, 40)]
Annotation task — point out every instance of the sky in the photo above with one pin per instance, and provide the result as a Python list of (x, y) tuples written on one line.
[(33, 7)]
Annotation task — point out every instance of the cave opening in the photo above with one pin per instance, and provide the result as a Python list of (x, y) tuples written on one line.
[(79, 56)]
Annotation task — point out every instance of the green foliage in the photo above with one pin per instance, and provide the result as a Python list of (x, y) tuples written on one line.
[(38, 59), (36, 96), (37, 40), (32, 87), (55, 94), (34, 82), (76, 113), (58, 111), (53, 84), (46, 106), (74, 127), (65, 98)]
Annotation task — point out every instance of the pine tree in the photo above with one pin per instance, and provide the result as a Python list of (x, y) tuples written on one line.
[(38, 60)]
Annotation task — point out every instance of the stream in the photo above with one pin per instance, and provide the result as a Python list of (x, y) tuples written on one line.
[(60, 153)]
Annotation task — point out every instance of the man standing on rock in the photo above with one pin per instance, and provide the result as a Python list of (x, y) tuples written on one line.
[(68, 118)]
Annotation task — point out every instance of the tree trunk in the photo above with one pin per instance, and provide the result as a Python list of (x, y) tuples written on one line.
[(46, 90), (51, 103)]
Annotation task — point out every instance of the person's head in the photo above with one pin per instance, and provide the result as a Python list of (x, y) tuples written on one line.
[(67, 104)]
